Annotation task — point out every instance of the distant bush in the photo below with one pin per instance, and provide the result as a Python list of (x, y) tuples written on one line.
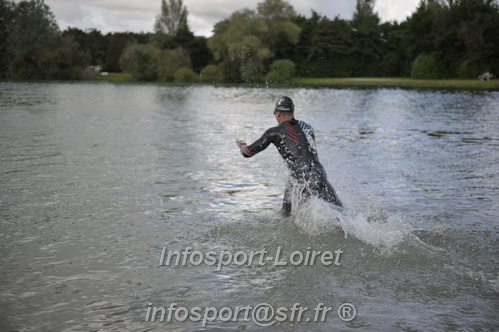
[(470, 68), (425, 67), (141, 61), (281, 71), (89, 74), (212, 74), (185, 75), (170, 61)]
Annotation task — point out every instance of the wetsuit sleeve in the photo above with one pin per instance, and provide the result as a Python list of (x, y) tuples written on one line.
[(259, 145)]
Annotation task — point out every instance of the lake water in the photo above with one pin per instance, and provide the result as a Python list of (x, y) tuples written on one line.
[(96, 179)]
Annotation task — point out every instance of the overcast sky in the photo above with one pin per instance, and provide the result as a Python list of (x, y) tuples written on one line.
[(139, 15)]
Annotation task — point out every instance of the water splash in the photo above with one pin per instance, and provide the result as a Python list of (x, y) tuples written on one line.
[(387, 232)]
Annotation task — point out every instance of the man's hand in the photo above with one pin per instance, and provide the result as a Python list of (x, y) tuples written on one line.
[(239, 143)]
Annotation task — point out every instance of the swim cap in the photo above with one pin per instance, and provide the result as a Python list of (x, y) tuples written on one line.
[(285, 105)]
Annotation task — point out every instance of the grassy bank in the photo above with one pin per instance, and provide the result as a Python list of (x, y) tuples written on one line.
[(115, 77), (354, 81), (395, 82)]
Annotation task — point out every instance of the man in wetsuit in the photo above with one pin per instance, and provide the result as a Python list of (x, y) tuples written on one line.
[(295, 141)]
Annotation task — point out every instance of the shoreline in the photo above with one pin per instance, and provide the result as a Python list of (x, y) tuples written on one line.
[(368, 82), (403, 82), (354, 82)]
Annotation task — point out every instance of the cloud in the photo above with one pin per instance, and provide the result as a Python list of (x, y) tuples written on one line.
[(204, 14), (106, 15), (390, 10), (331, 9), (139, 15), (214, 11)]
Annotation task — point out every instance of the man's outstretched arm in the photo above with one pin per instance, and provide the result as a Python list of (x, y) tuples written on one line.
[(247, 153), (259, 145)]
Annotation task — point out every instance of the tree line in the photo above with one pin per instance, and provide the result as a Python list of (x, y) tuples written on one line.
[(272, 43)]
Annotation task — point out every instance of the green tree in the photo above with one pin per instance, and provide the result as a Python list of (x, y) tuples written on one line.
[(34, 48), (117, 43), (331, 52), (33, 32), (171, 26), (172, 31), (169, 61), (91, 41), (141, 61), (472, 38), (367, 48), (237, 45), (185, 75), (425, 67), (242, 43), (66, 61), (423, 27), (394, 60), (173, 18), (301, 51), (281, 71), (199, 52), (211, 74), (461, 35), (6, 16), (282, 32)]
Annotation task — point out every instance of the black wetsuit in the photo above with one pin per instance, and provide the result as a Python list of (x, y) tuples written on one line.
[(295, 141)]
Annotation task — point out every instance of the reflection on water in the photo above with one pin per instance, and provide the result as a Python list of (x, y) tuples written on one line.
[(96, 179)]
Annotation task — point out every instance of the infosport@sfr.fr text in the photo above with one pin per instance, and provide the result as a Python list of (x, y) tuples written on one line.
[(262, 314)]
